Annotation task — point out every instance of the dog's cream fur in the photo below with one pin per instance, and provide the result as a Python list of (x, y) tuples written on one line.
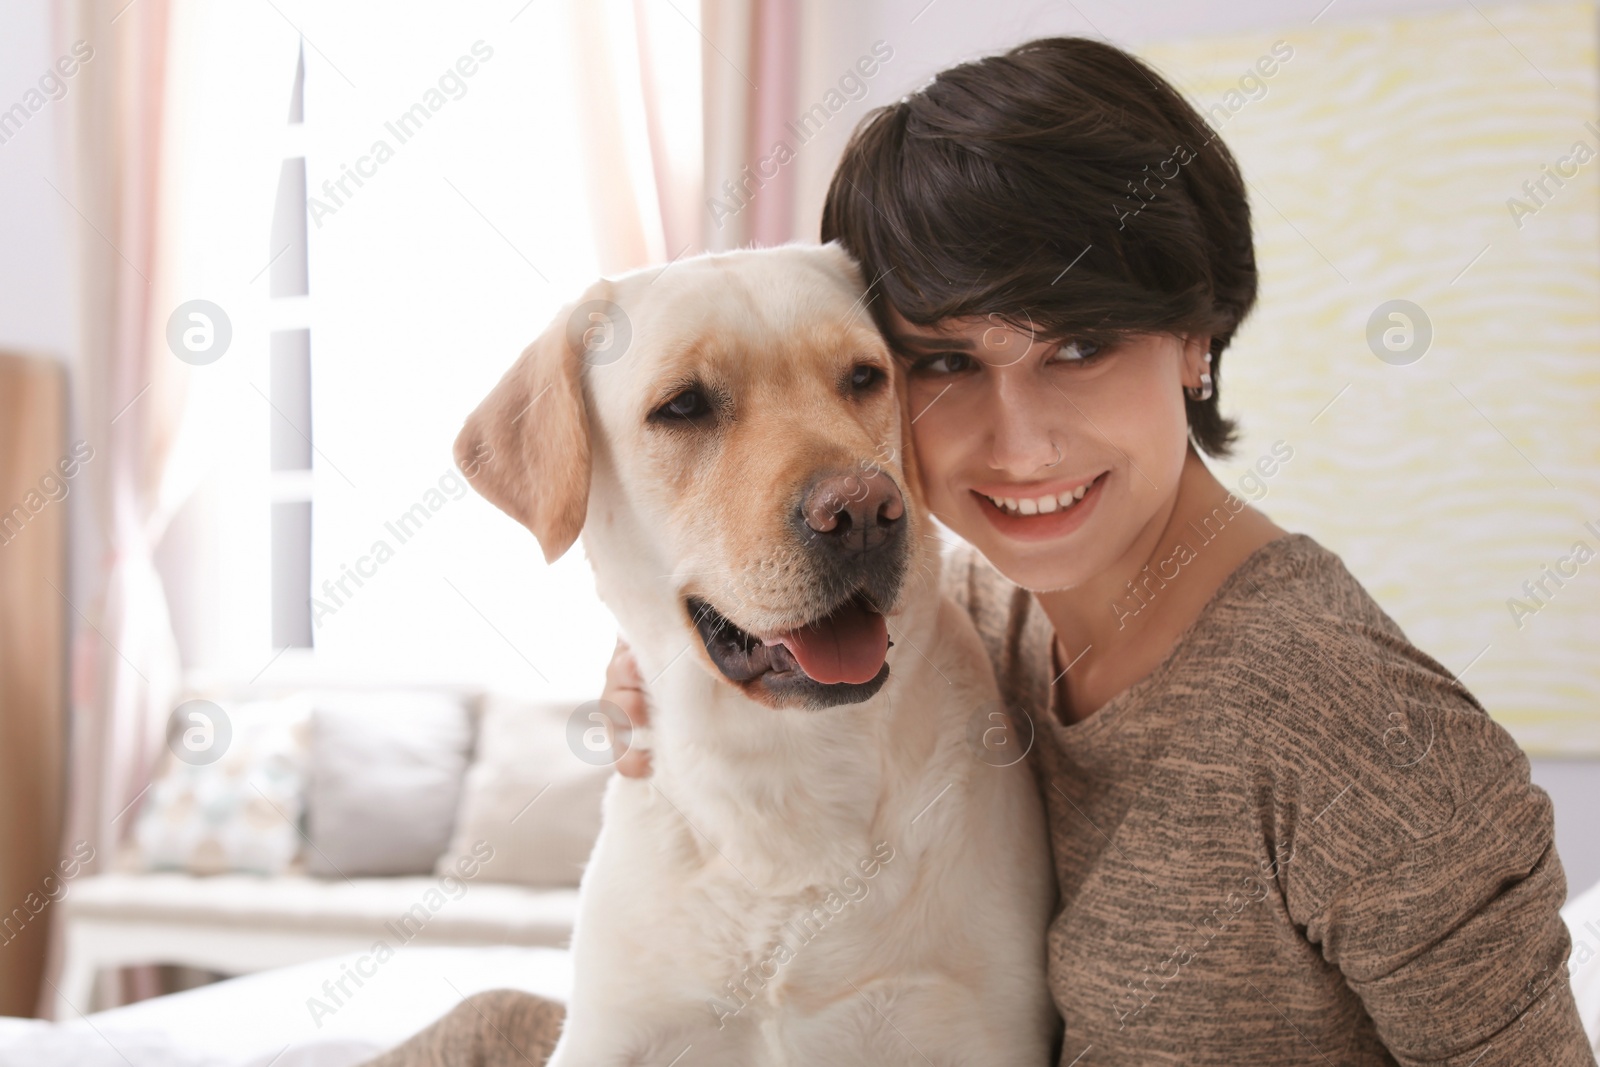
[(850, 885)]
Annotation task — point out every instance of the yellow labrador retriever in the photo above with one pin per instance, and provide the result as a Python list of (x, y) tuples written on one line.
[(821, 869)]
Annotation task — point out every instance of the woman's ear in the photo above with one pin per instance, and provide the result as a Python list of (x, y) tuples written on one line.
[(526, 445), (1196, 358)]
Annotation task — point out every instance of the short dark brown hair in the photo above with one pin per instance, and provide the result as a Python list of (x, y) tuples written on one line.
[(1064, 187)]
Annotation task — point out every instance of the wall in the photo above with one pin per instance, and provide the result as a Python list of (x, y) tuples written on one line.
[(1401, 190), (36, 236)]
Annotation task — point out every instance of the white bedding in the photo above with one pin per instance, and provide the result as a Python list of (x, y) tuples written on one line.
[(264, 1020), (269, 1018), (1582, 914)]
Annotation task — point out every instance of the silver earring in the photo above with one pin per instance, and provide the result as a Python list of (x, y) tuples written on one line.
[(1058, 455), (1206, 390)]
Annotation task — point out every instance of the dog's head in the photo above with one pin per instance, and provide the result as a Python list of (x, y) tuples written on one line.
[(736, 422)]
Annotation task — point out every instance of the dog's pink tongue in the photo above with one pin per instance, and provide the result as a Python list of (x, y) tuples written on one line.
[(847, 646)]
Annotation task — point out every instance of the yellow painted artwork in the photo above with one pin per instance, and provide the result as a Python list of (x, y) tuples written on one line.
[(1426, 347)]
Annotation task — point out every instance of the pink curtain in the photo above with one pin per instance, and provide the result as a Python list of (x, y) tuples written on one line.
[(129, 393), (775, 48), (649, 203), (750, 71)]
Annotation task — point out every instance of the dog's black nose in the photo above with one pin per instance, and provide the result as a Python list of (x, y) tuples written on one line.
[(854, 512)]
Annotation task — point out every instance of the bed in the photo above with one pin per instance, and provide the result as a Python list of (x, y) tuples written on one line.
[(298, 1017), (290, 1017)]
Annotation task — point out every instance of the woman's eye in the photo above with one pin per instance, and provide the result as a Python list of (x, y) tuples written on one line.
[(943, 363), (687, 405), (1079, 352), (865, 376)]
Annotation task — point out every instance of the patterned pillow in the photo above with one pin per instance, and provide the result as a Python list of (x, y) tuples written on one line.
[(231, 792)]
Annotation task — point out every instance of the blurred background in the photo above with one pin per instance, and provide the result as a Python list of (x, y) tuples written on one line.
[(259, 259)]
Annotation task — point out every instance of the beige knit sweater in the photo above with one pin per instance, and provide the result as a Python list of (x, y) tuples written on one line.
[(1298, 841)]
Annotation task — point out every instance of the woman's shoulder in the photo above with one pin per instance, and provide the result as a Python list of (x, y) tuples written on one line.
[(1334, 705), (1303, 645), (1294, 620), (1298, 575), (1369, 753), (1290, 647), (971, 580), (1014, 631), (1007, 616), (1291, 593)]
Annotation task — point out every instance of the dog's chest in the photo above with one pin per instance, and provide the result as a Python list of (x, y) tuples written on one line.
[(771, 935)]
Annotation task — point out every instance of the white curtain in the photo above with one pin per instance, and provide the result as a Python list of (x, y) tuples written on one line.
[(151, 157), (124, 658)]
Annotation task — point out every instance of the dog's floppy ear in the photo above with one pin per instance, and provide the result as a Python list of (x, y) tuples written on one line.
[(526, 446)]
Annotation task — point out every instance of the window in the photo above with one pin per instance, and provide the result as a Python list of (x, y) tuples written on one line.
[(446, 225), (289, 355)]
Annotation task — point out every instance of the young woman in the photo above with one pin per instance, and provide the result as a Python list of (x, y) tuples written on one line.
[(1282, 834)]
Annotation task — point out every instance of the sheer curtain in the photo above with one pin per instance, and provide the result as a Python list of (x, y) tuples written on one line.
[(165, 132), (751, 67), (125, 665), (683, 158)]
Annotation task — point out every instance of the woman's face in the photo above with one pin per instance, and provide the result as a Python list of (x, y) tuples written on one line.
[(990, 405)]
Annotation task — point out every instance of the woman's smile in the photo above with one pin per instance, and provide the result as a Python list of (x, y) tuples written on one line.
[(1040, 513)]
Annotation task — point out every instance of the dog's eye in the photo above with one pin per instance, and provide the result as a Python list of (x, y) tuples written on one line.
[(686, 406), (865, 376)]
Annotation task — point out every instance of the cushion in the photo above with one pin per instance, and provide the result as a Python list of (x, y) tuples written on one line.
[(227, 796), (386, 771), (528, 797)]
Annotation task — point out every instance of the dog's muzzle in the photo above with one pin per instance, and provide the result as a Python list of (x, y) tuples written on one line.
[(853, 527)]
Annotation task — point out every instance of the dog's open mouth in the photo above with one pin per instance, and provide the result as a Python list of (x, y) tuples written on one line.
[(847, 647)]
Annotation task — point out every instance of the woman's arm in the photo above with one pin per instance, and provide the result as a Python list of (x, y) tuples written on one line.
[(1425, 868), (1458, 950)]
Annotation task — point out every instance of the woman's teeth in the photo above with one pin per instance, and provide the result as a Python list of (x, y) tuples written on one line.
[(1040, 505)]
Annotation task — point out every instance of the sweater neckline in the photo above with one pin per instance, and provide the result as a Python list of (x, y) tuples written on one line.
[(1041, 638)]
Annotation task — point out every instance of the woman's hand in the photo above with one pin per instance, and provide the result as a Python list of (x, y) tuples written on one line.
[(625, 689)]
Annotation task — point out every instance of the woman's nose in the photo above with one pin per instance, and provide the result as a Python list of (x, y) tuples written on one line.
[(1025, 432), (1025, 457)]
